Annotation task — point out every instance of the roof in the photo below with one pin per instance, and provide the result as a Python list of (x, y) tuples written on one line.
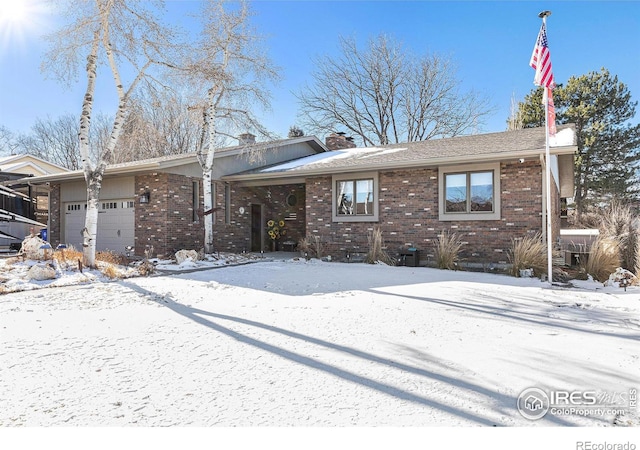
[(166, 162), (17, 163), (528, 142)]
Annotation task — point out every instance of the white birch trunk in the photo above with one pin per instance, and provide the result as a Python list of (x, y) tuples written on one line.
[(208, 207), (91, 221), (207, 168)]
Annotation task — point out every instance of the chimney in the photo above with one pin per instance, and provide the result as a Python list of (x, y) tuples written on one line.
[(247, 139), (337, 141)]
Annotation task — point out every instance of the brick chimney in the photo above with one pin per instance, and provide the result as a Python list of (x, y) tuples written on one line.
[(337, 141), (247, 139)]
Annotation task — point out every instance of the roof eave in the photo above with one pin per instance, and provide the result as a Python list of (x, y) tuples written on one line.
[(431, 162)]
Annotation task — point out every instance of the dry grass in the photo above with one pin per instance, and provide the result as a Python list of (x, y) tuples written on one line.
[(111, 271), (528, 252), (618, 222), (311, 246), (447, 249), (376, 251), (604, 258), (112, 258)]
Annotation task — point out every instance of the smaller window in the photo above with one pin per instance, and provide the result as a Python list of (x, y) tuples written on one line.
[(355, 198), (127, 204), (195, 201), (227, 203)]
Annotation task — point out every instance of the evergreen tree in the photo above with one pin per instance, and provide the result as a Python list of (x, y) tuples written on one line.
[(608, 144)]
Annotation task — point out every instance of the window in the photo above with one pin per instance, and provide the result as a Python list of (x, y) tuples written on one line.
[(470, 192), (110, 205), (355, 198), (227, 203), (127, 204), (195, 200)]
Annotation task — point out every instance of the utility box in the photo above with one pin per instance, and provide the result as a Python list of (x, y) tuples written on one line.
[(409, 257)]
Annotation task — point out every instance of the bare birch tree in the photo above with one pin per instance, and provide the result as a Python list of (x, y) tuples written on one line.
[(117, 33), (232, 72), (384, 95)]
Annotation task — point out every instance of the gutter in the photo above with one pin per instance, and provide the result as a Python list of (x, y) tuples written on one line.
[(254, 176)]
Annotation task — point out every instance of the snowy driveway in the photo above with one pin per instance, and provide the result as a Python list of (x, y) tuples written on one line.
[(293, 343)]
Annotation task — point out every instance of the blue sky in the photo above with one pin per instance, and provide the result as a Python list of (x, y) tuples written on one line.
[(490, 42)]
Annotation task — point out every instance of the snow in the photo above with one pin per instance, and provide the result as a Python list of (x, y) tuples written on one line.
[(289, 342), (359, 152), (562, 138)]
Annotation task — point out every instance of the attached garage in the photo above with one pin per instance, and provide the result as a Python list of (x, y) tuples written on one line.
[(116, 214), (116, 224)]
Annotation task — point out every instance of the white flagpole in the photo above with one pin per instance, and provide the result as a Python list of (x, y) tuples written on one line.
[(548, 173), (548, 184)]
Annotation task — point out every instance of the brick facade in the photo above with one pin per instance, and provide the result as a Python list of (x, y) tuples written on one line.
[(408, 215), (235, 236), (55, 207), (167, 221)]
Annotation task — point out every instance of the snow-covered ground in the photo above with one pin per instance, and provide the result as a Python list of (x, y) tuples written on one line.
[(310, 343)]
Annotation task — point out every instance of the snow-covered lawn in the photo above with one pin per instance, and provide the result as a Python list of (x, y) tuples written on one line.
[(297, 343)]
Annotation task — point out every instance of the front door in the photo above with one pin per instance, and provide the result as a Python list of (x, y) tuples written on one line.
[(257, 228)]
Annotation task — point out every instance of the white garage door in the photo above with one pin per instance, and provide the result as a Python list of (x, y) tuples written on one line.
[(116, 224)]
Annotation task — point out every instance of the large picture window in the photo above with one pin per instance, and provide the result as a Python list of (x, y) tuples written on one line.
[(355, 198), (470, 192)]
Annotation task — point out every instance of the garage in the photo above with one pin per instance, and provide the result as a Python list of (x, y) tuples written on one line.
[(116, 224)]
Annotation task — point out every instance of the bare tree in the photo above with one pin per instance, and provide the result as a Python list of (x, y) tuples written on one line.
[(515, 120), (383, 95), (229, 68), (54, 140), (121, 34), (8, 143), (159, 123)]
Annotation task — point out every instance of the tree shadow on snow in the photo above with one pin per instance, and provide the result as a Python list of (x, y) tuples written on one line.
[(506, 403)]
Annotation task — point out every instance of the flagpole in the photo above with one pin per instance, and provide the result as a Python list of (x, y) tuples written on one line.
[(543, 15)]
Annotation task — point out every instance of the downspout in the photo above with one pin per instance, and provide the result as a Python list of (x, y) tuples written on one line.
[(544, 197)]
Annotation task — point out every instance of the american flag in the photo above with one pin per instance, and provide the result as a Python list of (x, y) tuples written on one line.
[(541, 61)]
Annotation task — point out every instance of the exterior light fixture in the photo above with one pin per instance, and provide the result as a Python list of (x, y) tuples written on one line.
[(144, 198)]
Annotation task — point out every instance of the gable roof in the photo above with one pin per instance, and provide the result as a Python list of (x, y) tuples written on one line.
[(29, 165), (166, 162), (528, 142)]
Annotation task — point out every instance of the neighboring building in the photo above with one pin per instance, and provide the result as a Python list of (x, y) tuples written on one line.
[(22, 198), (487, 188)]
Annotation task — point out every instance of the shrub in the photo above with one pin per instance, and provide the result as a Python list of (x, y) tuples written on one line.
[(618, 222), (604, 258), (376, 249), (447, 248), (312, 246), (528, 252)]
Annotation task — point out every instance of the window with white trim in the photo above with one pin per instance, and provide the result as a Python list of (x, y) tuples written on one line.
[(469, 192)]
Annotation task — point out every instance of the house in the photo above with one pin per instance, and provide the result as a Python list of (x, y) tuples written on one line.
[(487, 188), (26, 202), (157, 202)]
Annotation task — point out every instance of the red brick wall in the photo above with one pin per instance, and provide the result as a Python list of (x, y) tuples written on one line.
[(55, 207), (166, 222), (408, 215), (236, 236)]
